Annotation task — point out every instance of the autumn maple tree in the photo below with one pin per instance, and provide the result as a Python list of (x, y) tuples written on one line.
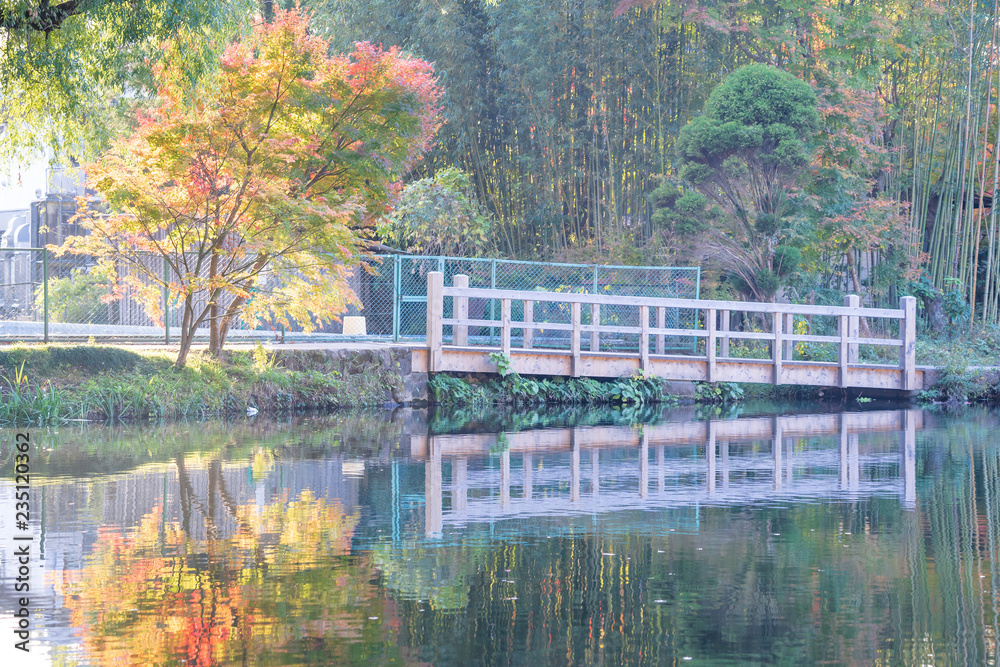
[(253, 184)]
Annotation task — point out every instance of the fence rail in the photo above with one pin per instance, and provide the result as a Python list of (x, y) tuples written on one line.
[(44, 296), (711, 329)]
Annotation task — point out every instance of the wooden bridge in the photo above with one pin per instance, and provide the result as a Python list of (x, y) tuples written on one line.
[(579, 342)]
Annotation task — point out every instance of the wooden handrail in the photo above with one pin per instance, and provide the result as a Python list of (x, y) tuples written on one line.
[(654, 302)]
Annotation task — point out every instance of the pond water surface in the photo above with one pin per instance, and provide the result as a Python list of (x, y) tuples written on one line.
[(580, 538)]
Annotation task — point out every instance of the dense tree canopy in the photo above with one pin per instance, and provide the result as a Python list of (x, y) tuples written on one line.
[(566, 115), (440, 216), (746, 152), (71, 72), (242, 194)]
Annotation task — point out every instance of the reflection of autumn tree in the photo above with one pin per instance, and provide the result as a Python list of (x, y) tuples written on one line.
[(441, 574), (284, 588)]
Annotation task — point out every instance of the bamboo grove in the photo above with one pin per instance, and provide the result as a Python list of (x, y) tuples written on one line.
[(566, 114)]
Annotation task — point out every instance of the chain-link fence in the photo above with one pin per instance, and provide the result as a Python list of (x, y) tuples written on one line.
[(651, 281), (45, 297)]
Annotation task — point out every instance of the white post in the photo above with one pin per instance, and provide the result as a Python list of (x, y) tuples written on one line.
[(460, 307), (789, 328), (661, 322), (908, 336), (644, 338), (529, 318), (710, 344), (435, 313), (574, 340), (777, 347), (595, 320), (724, 325), (843, 326), (505, 328), (853, 327)]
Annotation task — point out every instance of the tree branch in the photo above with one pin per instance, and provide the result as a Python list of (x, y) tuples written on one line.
[(43, 18)]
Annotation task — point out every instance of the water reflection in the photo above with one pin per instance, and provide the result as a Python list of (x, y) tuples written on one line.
[(800, 463), (155, 595), (850, 538)]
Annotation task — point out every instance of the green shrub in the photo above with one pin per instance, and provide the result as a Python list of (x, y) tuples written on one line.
[(717, 392)]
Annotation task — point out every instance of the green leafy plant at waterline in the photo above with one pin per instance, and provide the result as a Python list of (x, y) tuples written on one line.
[(718, 392), (503, 363), (515, 389), (22, 403)]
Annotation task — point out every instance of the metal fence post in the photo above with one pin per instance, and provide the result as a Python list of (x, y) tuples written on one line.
[(166, 302), (45, 294)]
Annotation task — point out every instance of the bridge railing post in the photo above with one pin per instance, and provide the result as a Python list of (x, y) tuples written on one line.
[(460, 306), (908, 337), (529, 318), (595, 321), (643, 338), (843, 327), (853, 327), (435, 315), (789, 328), (777, 348), (505, 327), (724, 319), (661, 321), (710, 344), (574, 340)]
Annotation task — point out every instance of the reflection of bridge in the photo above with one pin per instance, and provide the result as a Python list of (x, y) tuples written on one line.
[(723, 466), (639, 332)]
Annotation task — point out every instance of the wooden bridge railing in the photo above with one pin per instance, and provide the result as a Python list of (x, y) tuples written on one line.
[(717, 331)]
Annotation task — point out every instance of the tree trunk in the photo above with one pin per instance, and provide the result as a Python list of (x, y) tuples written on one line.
[(190, 326), (236, 305), (856, 280), (187, 334), (934, 306)]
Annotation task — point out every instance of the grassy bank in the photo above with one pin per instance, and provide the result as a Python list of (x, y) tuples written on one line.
[(47, 384)]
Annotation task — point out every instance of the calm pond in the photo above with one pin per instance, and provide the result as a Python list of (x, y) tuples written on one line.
[(662, 537)]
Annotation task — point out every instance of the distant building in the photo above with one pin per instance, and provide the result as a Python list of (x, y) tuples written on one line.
[(34, 221), (37, 204)]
